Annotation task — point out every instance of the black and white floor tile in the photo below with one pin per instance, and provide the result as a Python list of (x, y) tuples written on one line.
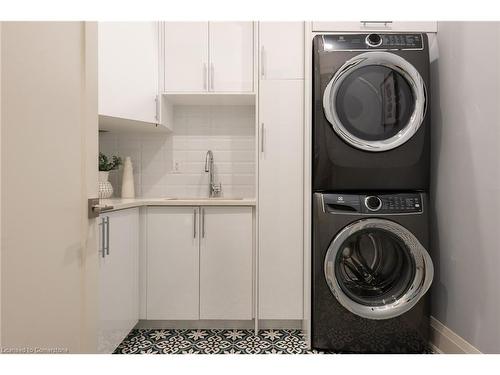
[(216, 341), (213, 341)]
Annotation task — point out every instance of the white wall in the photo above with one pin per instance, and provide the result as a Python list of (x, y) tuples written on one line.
[(229, 131), (466, 181)]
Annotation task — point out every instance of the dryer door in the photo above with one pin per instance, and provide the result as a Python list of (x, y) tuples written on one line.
[(376, 101), (377, 269)]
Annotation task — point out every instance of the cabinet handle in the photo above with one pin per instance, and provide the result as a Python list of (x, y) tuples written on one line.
[(103, 244), (212, 76), (157, 114), (262, 69), (202, 223), (376, 24), (205, 76), (262, 137), (194, 222), (107, 235)]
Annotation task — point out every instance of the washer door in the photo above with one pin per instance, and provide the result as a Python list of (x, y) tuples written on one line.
[(377, 269), (376, 101)]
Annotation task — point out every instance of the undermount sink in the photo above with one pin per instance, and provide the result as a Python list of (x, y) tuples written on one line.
[(202, 198)]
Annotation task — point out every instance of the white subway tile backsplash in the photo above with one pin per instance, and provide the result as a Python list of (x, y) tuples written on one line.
[(228, 131)]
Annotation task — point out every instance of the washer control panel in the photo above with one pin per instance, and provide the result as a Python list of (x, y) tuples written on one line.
[(376, 204), (357, 42)]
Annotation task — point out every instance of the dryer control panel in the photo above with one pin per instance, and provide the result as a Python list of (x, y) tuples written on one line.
[(359, 42), (379, 204)]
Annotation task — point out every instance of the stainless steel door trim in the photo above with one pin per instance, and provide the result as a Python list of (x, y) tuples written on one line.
[(107, 235), (194, 222), (424, 271), (390, 61)]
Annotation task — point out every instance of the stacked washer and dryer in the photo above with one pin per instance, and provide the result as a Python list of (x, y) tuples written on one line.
[(371, 270)]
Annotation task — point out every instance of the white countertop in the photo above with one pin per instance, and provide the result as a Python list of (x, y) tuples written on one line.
[(121, 203)]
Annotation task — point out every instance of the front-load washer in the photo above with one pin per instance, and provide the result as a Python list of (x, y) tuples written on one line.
[(370, 273), (370, 112)]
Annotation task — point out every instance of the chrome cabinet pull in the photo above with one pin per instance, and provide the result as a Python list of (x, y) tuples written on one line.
[(375, 24), (205, 76), (262, 69), (103, 244), (203, 223), (157, 114), (194, 222), (262, 137), (107, 235), (212, 76)]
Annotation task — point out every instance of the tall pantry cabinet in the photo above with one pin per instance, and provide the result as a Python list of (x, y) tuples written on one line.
[(281, 175)]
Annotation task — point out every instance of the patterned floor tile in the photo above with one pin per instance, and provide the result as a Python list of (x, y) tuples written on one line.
[(214, 341)]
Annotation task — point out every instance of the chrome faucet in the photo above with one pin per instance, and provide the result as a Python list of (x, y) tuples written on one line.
[(214, 190)]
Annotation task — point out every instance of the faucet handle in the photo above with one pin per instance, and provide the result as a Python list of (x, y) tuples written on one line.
[(217, 189)]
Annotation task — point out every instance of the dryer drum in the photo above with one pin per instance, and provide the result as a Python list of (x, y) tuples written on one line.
[(377, 269), (376, 101)]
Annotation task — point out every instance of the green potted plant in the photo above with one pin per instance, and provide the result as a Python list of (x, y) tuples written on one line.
[(106, 165)]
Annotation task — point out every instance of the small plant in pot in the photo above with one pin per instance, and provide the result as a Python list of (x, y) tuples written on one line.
[(106, 165)]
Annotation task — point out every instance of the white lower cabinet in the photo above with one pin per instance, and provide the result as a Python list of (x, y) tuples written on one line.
[(226, 259), (118, 277), (172, 263), (199, 263)]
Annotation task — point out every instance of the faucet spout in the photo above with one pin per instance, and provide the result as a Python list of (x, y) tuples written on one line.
[(209, 160), (213, 189)]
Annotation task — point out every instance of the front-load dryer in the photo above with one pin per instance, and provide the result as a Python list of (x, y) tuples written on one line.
[(370, 273), (370, 112)]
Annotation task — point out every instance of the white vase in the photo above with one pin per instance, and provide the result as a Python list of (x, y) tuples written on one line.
[(105, 187), (128, 190)]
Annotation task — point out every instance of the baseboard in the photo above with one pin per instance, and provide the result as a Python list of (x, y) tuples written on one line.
[(218, 324), (445, 341)]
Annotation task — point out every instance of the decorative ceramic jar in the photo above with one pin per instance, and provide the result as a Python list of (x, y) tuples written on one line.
[(128, 190), (105, 187)]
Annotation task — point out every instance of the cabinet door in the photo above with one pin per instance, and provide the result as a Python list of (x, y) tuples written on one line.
[(128, 70), (367, 26), (172, 263), (231, 56), (281, 199), (226, 263), (119, 278), (281, 50), (186, 56)]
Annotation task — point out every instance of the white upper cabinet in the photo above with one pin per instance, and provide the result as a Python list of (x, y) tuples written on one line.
[(231, 56), (208, 57), (367, 26), (128, 70), (186, 56), (226, 263), (281, 48)]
